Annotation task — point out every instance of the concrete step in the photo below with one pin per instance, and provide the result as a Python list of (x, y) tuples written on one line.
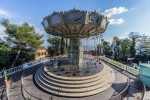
[(79, 94), (63, 86), (74, 78), (96, 81), (54, 85), (73, 82)]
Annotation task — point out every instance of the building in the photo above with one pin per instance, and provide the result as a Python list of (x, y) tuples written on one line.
[(41, 53)]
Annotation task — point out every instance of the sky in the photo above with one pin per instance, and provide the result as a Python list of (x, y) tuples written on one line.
[(124, 16)]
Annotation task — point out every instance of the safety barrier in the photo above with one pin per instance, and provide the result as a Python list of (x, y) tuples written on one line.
[(21, 67), (18, 69), (120, 65), (142, 88), (122, 94), (26, 95)]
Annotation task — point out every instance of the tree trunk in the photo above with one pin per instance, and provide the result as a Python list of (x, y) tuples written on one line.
[(17, 56)]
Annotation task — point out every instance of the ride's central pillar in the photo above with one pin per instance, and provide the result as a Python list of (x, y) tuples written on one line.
[(75, 52)]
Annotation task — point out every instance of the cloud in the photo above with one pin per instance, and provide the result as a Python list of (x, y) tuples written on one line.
[(7, 14), (4, 13), (114, 11), (116, 21)]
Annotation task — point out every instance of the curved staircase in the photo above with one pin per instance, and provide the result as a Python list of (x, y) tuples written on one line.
[(75, 86)]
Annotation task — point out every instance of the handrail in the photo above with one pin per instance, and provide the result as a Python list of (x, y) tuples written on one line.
[(23, 90), (21, 67), (143, 88), (120, 65), (121, 95), (13, 70), (143, 91)]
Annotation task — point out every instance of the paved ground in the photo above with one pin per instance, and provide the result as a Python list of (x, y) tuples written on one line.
[(16, 86), (121, 78), (3, 93), (147, 94), (116, 88)]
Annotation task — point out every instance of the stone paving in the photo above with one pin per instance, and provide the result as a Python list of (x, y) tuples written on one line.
[(121, 78), (147, 94), (16, 86), (117, 87)]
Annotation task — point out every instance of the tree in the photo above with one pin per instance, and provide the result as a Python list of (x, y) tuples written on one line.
[(133, 36), (116, 48), (22, 36), (143, 45), (5, 51), (63, 47), (143, 49), (55, 46), (125, 48), (107, 48)]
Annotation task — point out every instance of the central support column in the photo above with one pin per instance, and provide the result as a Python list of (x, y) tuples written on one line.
[(75, 52)]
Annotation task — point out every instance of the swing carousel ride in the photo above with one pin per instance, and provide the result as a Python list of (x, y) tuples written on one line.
[(78, 74)]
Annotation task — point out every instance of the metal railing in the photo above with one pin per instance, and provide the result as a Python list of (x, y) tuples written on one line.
[(26, 95), (122, 94), (22, 67), (142, 88), (17, 69), (120, 65)]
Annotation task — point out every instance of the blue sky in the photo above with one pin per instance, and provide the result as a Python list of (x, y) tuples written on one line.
[(124, 15)]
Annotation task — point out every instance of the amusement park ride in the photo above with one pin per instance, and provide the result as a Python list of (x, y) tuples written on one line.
[(76, 75), (79, 74), (75, 25)]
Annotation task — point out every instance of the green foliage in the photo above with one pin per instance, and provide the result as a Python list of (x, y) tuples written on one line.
[(5, 51), (116, 49), (25, 56), (22, 37), (143, 45), (63, 47), (107, 48), (55, 46), (125, 48), (133, 36)]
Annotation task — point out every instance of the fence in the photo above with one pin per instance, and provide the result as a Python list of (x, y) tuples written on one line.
[(24, 66), (18, 69), (122, 94), (26, 95), (143, 88), (119, 65)]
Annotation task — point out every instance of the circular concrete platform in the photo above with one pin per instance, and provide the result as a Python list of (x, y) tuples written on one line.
[(75, 86)]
